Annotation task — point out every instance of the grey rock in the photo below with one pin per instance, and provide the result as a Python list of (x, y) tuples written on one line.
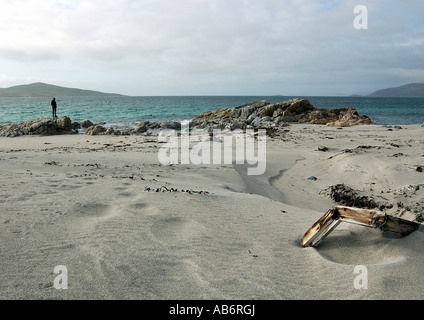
[(43, 126), (278, 120), (95, 130), (238, 125), (86, 124), (256, 122), (142, 127), (251, 117), (76, 125), (110, 131), (174, 125)]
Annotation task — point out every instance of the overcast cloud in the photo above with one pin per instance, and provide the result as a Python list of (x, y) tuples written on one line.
[(212, 47)]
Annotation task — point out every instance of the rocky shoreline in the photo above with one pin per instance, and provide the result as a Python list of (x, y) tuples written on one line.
[(256, 115), (42, 126)]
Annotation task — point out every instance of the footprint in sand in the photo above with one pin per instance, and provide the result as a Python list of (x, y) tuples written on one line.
[(125, 194), (140, 205), (177, 230), (139, 208), (91, 210)]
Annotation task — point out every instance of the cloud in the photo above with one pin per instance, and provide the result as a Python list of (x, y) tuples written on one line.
[(8, 81), (215, 46)]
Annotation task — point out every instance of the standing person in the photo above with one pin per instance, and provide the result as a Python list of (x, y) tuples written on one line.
[(54, 106)]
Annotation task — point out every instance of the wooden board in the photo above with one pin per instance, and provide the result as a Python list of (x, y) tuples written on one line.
[(369, 218), (320, 229)]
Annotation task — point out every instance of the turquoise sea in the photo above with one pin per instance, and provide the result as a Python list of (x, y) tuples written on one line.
[(127, 111)]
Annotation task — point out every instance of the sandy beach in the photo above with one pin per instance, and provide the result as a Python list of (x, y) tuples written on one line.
[(126, 226)]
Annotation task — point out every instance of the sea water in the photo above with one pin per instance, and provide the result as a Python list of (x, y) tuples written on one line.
[(127, 111)]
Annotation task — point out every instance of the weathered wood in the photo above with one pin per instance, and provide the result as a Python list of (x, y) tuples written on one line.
[(369, 218), (320, 229), (399, 225)]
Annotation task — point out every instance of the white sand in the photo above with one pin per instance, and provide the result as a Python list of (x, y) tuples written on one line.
[(81, 202)]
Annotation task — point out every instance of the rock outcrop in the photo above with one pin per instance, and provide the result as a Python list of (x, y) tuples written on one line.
[(264, 115), (43, 126)]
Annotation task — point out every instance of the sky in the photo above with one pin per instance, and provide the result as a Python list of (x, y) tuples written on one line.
[(213, 47)]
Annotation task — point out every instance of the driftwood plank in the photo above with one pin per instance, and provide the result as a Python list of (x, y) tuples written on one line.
[(399, 225), (320, 229), (369, 218)]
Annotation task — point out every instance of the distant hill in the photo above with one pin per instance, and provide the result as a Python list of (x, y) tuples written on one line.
[(408, 90), (40, 89)]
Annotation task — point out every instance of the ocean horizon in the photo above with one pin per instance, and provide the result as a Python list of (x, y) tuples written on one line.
[(127, 111)]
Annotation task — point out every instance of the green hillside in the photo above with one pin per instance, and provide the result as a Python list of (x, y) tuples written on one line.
[(40, 89), (408, 90)]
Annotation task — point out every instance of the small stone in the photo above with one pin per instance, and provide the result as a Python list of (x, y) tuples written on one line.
[(313, 178)]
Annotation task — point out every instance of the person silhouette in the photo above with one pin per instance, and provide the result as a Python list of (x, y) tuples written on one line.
[(54, 106)]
